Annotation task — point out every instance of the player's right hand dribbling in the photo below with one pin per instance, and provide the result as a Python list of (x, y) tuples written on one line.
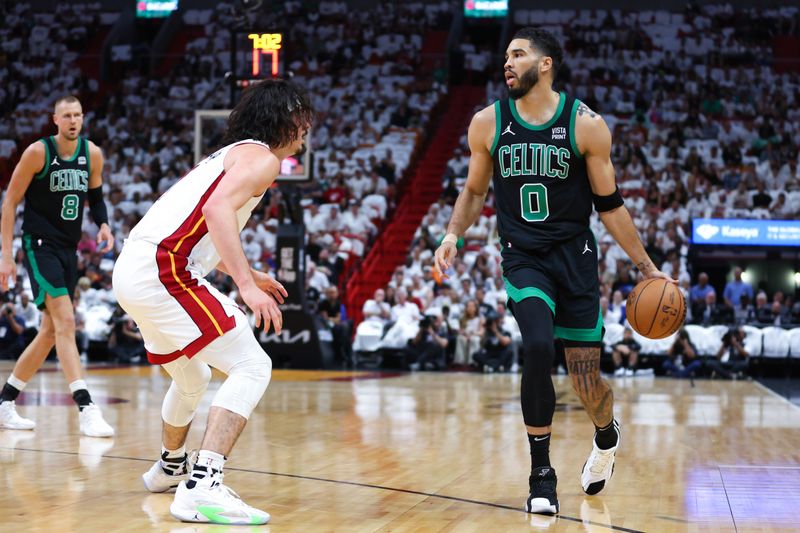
[(264, 308), (442, 260), (8, 274)]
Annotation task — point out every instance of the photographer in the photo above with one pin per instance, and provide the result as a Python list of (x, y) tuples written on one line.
[(427, 349), (495, 354), (732, 359), (682, 359), (12, 326), (627, 347), (125, 342)]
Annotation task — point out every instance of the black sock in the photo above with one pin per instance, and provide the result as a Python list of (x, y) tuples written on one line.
[(174, 466), (9, 393), (82, 398), (198, 473), (540, 450), (606, 437)]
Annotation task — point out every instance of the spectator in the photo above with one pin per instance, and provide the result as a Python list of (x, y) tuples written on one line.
[(12, 326), (470, 334), (761, 200), (780, 315), (736, 287), (763, 311), (616, 309), (427, 349), (495, 354), (377, 309), (732, 359), (626, 348), (711, 312), (404, 310), (28, 311), (744, 313), (126, 341), (682, 360), (697, 294), (332, 311)]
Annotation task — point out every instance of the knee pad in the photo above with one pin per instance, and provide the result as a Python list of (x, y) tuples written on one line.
[(247, 380), (182, 399)]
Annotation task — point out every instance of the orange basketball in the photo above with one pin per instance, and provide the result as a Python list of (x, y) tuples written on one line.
[(656, 308)]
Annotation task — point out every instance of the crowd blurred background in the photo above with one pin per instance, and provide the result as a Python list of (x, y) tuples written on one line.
[(705, 120)]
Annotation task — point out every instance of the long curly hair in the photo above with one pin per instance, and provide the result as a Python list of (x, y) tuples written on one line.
[(271, 111)]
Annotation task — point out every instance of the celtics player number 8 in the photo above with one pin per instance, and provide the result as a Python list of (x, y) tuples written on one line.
[(69, 207)]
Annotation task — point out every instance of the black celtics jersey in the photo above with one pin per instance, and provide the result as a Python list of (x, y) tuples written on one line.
[(55, 198), (540, 182)]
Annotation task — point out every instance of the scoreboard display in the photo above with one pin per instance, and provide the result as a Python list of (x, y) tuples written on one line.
[(485, 8), (266, 53), (259, 55), (151, 9)]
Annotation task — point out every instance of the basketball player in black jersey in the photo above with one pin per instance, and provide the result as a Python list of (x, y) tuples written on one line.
[(55, 176), (548, 157)]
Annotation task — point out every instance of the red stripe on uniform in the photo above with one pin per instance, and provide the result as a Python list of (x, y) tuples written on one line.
[(160, 359), (172, 260)]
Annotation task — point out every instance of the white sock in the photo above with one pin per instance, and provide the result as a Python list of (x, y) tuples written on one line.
[(208, 463), (173, 462), (78, 384), (15, 382), (177, 453), (211, 460)]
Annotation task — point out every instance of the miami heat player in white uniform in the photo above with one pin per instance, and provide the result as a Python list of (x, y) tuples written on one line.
[(165, 260), (188, 325)]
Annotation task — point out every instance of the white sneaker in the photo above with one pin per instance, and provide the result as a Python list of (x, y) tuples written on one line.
[(644, 372), (92, 423), (211, 501), (599, 467), (629, 372), (618, 373), (157, 480), (9, 419)]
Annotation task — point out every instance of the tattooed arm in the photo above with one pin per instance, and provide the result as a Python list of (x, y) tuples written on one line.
[(593, 140)]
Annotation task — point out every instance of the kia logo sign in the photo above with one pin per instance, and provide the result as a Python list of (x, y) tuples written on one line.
[(286, 337)]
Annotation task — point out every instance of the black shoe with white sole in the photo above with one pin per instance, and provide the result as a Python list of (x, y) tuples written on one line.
[(543, 498)]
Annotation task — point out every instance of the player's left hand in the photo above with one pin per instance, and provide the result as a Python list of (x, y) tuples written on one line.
[(268, 284), (105, 235)]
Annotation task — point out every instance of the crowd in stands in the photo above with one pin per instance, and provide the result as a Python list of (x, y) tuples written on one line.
[(701, 129), (372, 112), (703, 126)]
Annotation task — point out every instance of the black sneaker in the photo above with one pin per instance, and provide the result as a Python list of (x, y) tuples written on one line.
[(542, 499)]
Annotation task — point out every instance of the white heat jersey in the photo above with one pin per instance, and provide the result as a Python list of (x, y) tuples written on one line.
[(176, 223)]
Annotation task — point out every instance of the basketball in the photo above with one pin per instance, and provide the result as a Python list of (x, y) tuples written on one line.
[(656, 308)]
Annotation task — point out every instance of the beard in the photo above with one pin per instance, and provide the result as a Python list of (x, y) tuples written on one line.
[(524, 83), (302, 150)]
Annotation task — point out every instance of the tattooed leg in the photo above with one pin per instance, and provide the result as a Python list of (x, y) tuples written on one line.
[(595, 394)]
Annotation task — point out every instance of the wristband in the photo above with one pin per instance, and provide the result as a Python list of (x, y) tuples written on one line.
[(452, 238)]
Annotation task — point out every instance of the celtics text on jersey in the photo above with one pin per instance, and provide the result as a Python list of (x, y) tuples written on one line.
[(540, 181)]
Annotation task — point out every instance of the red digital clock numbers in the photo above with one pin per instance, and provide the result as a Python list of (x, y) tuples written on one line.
[(265, 44)]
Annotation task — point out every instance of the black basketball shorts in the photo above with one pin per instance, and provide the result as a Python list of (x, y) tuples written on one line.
[(53, 268), (565, 277)]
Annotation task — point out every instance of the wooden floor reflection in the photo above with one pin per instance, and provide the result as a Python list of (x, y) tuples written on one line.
[(415, 452)]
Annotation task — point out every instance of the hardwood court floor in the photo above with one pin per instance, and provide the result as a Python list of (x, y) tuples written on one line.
[(342, 451)]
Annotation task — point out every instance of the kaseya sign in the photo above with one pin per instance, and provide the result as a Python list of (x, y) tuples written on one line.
[(743, 232)]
